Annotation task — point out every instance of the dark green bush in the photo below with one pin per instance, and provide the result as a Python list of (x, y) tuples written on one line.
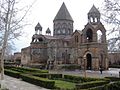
[(55, 76), (91, 84), (47, 75), (114, 66), (12, 73), (78, 79), (110, 86), (113, 78), (42, 75), (24, 70), (43, 82)]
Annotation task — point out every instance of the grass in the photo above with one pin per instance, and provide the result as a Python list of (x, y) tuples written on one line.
[(64, 84)]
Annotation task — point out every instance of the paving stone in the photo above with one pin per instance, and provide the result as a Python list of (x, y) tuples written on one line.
[(17, 84)]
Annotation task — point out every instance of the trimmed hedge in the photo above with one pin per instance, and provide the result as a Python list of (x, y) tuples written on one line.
[(110, 86), (113, 78), (43, 82), (78, 79), (114, 66), (12, 73), (24, 70), (91, 84), (47, 75), (55, 76)]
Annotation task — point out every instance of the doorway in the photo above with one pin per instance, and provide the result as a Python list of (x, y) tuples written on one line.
[(89, 61)]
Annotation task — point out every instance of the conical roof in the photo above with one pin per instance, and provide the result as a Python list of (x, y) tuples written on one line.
[(38, 26), (48, 30), (63, 14), (94, 10)]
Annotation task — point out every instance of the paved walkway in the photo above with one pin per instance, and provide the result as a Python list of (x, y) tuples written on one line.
[(89, 73), (17, 84)]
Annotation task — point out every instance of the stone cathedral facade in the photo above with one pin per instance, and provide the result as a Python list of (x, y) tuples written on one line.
[(87, 47)]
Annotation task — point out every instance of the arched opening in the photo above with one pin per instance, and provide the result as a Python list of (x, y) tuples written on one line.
[(95, 19), (99, 36), (40, 39), (89, 61), (89, 35), (91, 19)]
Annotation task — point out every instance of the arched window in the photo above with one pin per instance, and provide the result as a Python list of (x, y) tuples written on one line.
[(89, 35), (99, 36), (76, 39), (64, 26)]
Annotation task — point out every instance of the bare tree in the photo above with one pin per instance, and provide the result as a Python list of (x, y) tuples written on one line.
[(111, 15), (10, 26)]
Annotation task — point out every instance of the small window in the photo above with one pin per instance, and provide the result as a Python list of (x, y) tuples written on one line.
[(76, 39)]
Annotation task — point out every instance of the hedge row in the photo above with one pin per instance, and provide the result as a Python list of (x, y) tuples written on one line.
[(114, 66), (78, 79), (110, 86), (12, 73), (91, 84), (24, 69), (113, 78), (47, 75), (38, 81)]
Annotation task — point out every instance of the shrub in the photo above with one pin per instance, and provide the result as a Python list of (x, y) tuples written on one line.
[(12, 73), (24, 70), (113, 78), (55, 76), (91, 84), (112, 86), (47, 75), (43, 75), (114, 66), (43, 82), (78, 79)]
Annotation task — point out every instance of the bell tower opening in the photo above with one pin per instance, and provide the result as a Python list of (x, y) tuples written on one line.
[(99, 36), (94, 15), (89, 35)]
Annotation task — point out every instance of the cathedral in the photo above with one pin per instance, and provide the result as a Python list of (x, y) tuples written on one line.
[(87, 47)]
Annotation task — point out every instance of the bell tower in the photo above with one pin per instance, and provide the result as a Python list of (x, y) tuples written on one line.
[(94, 15), (94, 45)]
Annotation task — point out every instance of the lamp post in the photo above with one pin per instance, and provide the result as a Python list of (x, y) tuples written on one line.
[(85, 67), (84, 58)]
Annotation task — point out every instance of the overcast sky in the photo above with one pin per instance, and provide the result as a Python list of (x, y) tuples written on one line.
[(44, 11)]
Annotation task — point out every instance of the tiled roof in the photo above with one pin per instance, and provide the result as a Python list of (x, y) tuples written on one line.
[(63, 14), (94, 10)]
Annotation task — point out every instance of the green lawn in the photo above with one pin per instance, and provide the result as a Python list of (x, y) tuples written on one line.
[(64, 84)]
